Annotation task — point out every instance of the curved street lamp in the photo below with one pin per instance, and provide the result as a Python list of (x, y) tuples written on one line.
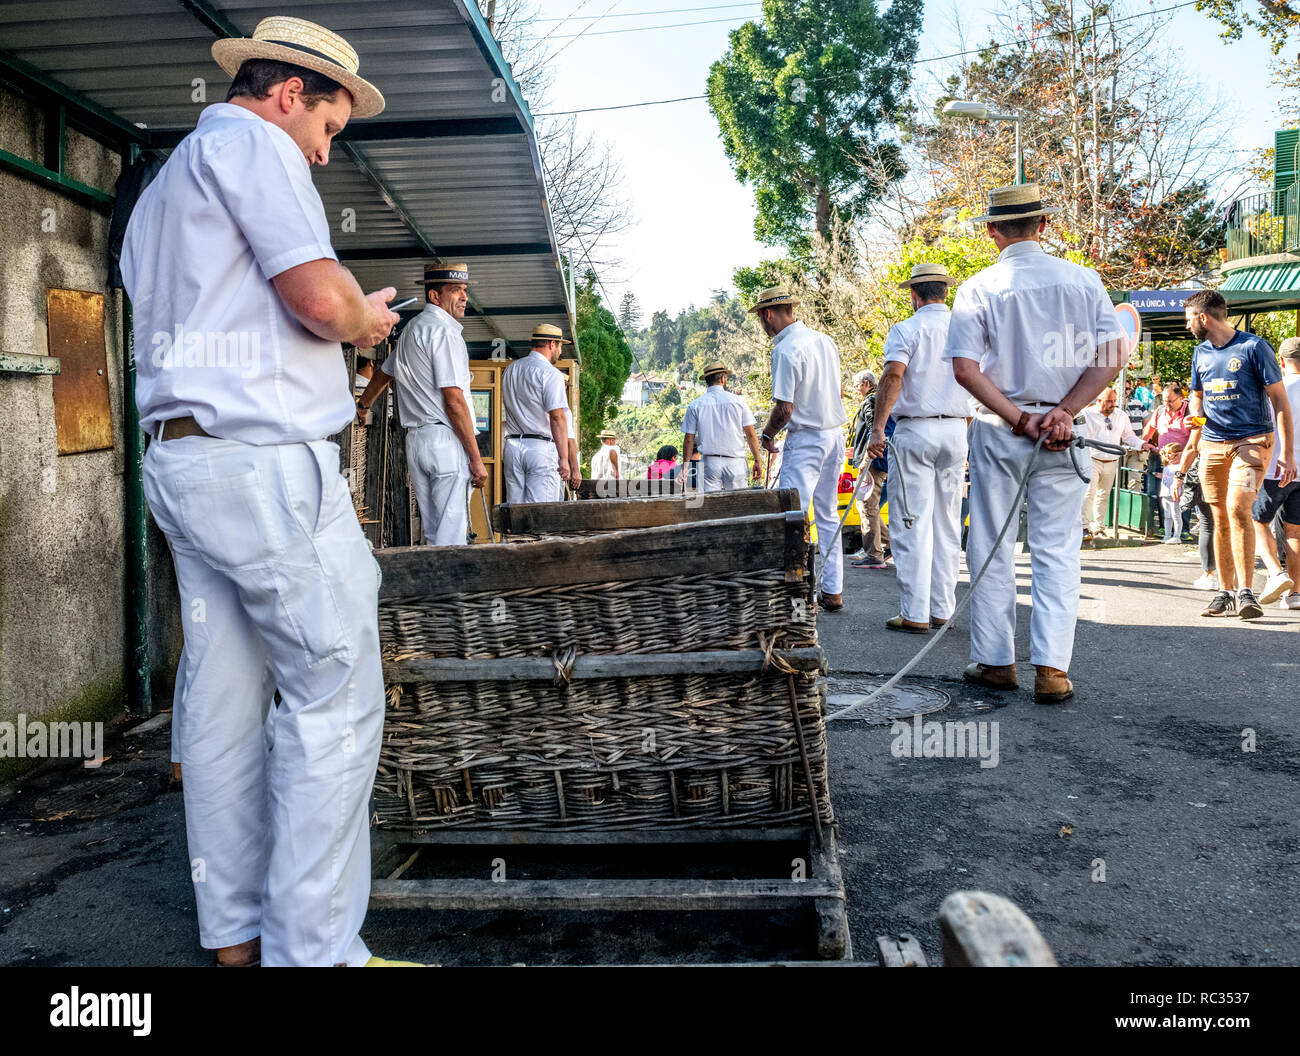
[(981, 112)]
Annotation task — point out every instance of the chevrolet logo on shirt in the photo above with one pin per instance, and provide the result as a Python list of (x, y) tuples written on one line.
[(1221, 385)]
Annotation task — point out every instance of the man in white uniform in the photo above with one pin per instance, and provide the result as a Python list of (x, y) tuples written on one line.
[(720, 424), (431, 368), (1107, 423), (536, 451), (808, 403), (240, 307), (1034, 339), (605, 461), (927, 460)]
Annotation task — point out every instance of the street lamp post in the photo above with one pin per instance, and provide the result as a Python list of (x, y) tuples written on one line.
[(981, 112)]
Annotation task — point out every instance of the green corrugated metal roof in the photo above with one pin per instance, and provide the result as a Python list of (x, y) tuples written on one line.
[(1285, 143), (1266, 278)]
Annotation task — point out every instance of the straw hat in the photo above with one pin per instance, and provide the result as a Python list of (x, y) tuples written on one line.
[(928, 273), (302, 43), (547, 332), (439, 273), (608, 434), (716, 367), (1020, 200), (772, 296)]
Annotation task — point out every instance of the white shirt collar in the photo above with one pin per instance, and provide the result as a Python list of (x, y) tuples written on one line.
[(787, 332), (939, 305), (443, 317), (1020, 249)]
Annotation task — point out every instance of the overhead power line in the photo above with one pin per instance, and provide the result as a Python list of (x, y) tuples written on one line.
[(666, 11), (818, 80), (646, 29)]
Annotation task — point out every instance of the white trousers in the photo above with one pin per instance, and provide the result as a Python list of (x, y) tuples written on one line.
[(929, 457), (532, 470), (1097, 497), (812, 462), (997, 460), (273, 571), (439, 472), (723, 473)]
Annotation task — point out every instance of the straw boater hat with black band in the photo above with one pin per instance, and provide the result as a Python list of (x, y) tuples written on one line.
[(928, 273), (302, 43), (774, 296), (1017, 202), (440, 274), (547, 332), (714, 369)]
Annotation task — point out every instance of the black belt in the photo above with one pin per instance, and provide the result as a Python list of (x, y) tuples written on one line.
[(175, 428), (910, 417), (703, 455), (527, 436)]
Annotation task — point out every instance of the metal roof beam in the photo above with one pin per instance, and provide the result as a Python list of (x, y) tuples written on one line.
[(483, 249), (521, 309), (370, 130), (83, 113)]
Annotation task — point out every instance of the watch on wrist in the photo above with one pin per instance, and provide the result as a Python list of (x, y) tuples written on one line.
[(1019, 428), (1179, 474), (769, 439)]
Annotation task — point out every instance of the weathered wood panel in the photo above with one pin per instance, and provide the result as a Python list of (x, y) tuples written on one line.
[(557, 518)]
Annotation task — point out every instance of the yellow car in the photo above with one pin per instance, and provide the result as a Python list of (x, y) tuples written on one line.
[(851, 536)]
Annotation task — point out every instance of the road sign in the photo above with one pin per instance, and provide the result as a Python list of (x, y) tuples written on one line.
[(1159, 300)]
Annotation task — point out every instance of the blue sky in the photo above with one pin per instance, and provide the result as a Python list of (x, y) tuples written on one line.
[(693, 219)]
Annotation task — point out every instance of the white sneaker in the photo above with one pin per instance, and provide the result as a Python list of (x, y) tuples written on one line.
[(1279, 584), (1291, 601), (1206, 581)]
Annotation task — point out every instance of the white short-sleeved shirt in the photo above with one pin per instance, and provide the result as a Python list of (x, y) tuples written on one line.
[(928, 387), (718, 420), (806, 372), (430, 356), (233, 207), (1114, 428), (1033, 321), (530, 388), (1291, 382)]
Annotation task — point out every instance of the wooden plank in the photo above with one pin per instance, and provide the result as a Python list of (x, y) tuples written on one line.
[(599, 838), (679, 895), (557, 518), (624, 665), (901, 952), (638, 488), (981, 930), (737, 544), (833, 940)]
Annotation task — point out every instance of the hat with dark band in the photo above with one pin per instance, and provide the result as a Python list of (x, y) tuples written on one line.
[(928, 273), (774, 296), (436, 274), (1019, 201), (302, 43), (547, 332), (715, 368)]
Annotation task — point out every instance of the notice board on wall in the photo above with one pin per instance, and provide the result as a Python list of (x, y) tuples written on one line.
[(82, 411)]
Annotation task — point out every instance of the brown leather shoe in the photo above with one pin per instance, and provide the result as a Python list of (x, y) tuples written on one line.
[(936, 623), (1051, 686), (832, 602), (897, 623), (245, 955), (991, 676)]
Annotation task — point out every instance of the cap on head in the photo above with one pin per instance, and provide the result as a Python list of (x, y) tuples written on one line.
[(1290, 348), (302, 43)]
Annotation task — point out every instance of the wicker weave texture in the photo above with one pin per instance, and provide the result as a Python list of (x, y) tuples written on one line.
[(674, 614), (691, 750)]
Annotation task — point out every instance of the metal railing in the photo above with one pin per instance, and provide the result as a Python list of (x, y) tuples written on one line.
[(1262, 224)]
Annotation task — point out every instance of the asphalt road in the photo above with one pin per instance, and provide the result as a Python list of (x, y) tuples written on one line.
[(1144, 771)]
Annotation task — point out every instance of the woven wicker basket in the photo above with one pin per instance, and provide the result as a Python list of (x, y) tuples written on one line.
[(697, 744)]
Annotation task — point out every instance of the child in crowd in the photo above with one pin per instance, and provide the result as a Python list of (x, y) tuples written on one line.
[(1173, 517), (662, 468)]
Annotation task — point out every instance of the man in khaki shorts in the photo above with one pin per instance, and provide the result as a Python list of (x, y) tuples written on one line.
[(1235, 377)]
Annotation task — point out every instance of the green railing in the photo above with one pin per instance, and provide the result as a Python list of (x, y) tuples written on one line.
[(1262, 224)]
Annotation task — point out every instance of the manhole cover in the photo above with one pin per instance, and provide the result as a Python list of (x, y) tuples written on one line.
[(899, 703)]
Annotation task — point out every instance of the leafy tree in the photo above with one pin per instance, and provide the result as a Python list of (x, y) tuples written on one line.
[(606, 363), (801, 96), (663, 340)]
